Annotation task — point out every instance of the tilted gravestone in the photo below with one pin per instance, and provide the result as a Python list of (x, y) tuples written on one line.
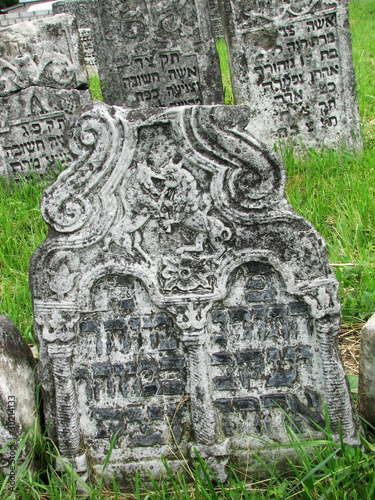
[(152, 53), (42, 77), (292, 63), (179, 299)]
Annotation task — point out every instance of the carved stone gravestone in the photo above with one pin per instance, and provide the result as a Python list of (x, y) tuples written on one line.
[(179, 299), (152, 53), (292, 63), (42, 76)]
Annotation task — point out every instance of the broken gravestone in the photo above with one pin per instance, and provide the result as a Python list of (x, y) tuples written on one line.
[(42, 76), (291, 62), (17, 395), (366, 379), (178, 298), (152, 53)]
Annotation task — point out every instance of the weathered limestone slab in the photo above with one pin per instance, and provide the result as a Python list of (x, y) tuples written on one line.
[(45, 53), (292, 63), (32, 124), (152, 53), (366, 380), (179, 299), (17, 393)]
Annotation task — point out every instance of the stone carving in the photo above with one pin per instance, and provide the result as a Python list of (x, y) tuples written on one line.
[(88, 47), (292, 63), (32, 124), (152, 53), (42, 75), (44, 52), (178, 298), (17, 394)]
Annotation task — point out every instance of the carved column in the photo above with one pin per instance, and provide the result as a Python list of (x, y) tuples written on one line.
[(194, 337)]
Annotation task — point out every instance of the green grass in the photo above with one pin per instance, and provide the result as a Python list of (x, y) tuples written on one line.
[(221, 47), (95, 87), (324, 469), (362, 27), (22, 230)]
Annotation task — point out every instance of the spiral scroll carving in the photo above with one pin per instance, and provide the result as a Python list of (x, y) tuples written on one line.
[(93, 140), (247, 176)]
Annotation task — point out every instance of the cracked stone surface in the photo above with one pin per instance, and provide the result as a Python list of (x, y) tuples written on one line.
[(179, 299)]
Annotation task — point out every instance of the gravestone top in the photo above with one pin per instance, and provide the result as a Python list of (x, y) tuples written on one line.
[(46, 52), (292, 63), (178, 298), (152, 53)]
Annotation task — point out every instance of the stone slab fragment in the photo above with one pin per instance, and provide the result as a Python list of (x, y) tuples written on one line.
[(17, 394), (179, 299), (152, 53), (366, 380), (32, 124), (88, 47), (46, 52), (217, 26), (291, 62)]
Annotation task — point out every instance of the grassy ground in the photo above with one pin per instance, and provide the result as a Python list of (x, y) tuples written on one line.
[(332, 189)]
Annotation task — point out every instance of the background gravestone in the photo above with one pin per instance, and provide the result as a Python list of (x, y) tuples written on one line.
[(152, 53), (42, 80), (292, 63), (178, 297)]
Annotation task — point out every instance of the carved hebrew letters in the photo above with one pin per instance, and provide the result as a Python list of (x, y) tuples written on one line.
[(295, 55), (32, 134), (163, 79), (195, 306)]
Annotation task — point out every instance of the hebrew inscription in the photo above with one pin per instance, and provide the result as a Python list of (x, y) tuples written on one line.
[(293, 64), (32, 125), (179, 300), (152, 53)]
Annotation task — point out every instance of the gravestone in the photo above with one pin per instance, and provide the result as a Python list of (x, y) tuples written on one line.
[(17, 395), (152, 53), (178, 298), (292, 63), (366, 379), (216, 22), (42, 80)]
